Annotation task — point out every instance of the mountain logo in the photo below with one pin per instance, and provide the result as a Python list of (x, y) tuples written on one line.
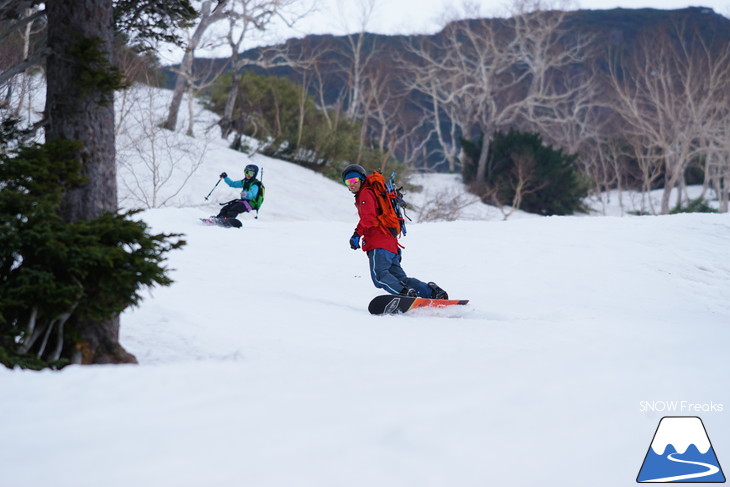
[(681, 452), (392, 306)]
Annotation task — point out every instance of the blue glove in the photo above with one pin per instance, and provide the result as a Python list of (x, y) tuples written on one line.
[(223, 175), (355, 241)]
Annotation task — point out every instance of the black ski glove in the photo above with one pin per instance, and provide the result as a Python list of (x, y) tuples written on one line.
[(355, 241), (224, 175)]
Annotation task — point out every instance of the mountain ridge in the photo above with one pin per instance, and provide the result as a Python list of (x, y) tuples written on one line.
[(614, 32)]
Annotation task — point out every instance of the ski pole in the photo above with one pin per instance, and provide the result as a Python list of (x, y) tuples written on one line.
[(211, 191)]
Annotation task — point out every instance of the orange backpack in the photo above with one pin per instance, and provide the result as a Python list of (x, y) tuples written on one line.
[(389, 200)]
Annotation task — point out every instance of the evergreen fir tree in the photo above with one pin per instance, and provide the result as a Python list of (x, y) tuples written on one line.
[(59, 278), (520, 168)]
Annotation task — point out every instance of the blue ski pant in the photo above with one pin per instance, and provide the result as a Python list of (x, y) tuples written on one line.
[(387, 274)]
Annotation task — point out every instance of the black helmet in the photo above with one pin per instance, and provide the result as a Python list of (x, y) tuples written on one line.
[(252, 167), (354, 170)]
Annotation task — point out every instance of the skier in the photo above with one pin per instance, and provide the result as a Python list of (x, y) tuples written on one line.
[(383, 250), (249, 192)]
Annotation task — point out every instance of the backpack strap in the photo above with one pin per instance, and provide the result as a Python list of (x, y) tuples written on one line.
[(259, 194)]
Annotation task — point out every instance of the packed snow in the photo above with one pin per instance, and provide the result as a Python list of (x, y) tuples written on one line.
[(260, 366)]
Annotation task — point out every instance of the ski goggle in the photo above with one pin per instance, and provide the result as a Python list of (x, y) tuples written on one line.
[(351, 181), (249, 172)]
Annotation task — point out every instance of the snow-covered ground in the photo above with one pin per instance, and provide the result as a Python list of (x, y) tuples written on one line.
[(260, 366)]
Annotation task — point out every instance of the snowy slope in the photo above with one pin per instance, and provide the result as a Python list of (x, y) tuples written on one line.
[(260, 365)]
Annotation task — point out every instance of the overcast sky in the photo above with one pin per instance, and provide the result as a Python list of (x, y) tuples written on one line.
[(422, 16)]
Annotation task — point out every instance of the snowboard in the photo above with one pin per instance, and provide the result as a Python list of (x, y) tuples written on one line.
[(390, 304), (222, 222)]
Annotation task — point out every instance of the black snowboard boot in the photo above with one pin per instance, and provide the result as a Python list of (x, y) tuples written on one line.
[(437, 292), (407, 291)]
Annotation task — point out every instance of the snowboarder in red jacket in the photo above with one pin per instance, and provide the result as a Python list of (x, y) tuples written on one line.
[(384, 253)]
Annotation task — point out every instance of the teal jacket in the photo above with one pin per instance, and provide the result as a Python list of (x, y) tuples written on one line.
[(250, 190)]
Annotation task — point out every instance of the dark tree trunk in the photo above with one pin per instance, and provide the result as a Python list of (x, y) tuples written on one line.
[(80, 112)]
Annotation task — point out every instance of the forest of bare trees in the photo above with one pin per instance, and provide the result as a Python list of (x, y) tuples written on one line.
[(673, 98), (640, 114), (657, 110)]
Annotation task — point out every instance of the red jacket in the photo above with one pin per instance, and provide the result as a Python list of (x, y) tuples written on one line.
[(374, 237)]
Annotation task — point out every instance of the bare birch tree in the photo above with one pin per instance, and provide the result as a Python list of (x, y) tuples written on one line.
[(470, 76), (481, 76), (211, 11), (359, 56), (440, 118), (604, 162), (22, 83), (717, 165), (246, 18), (313, 68), (562, 84)]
